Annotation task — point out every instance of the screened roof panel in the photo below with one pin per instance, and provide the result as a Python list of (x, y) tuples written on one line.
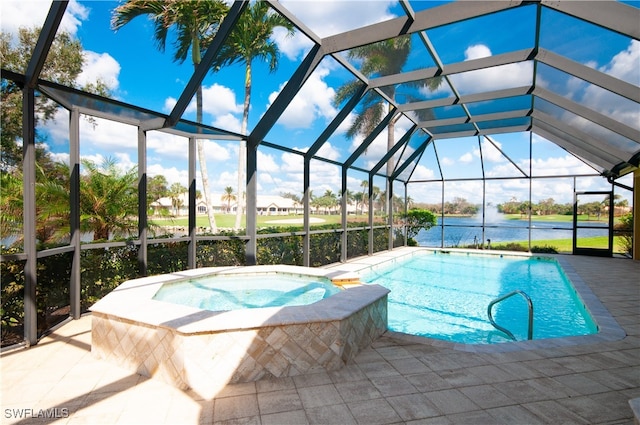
[(550, 160), (477, 37), (421, 5), (416, 91), (440, 114), (494, 78), (406, 53), (589, 95), (565, 71), (499, 105), (454, 128), (410, 153), (587, 43), (616, 141), (312, 109), (503, 124)]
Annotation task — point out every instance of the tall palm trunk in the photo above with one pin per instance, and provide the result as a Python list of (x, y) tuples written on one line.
[(195, 52), (242, 151), (391, 128)]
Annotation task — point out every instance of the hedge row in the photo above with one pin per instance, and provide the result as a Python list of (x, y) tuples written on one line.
[(105, 268)]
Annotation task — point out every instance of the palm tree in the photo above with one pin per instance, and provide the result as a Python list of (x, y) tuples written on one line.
[(227, 197), (410, 202), (176, 191), (386, 57), (364, 184), (52, 206), (249, 40), (195, 22), (108, 200)]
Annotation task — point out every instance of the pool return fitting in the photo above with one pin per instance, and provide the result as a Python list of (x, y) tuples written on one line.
[(504, 297)]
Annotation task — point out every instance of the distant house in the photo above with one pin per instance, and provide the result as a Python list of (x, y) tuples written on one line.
[(267, 205), (277, 205)]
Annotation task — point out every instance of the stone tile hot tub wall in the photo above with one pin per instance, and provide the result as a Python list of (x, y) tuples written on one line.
[(203, 350)]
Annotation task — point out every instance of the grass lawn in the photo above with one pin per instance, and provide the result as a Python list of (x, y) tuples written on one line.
[(566, 245), (555, 217), (228, 220)]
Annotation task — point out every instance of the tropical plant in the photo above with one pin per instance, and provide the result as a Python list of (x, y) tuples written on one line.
[(249, 40), (52, 204), (364, 184), (228, 197), (11, 204), (108, 200), (416, 220), (156, 188), (195, 22), (295, 198), (176, 191), (624, 229)]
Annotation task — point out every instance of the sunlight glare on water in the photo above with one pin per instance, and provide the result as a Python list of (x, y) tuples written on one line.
[(229, 292)]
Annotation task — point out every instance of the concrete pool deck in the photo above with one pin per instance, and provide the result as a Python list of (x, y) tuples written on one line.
[(394, 381)]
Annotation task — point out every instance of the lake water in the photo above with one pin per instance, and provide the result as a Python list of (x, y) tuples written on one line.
[(463, 231)]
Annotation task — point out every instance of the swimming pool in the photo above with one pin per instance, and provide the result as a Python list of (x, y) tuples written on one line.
[(222, 292), (446, 295)]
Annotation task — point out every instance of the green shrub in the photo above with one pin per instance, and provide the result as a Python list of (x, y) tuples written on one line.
[(546, 249), (624, 229)]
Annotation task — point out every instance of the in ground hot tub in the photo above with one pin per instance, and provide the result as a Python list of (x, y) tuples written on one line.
[(236, 291), (193, 347)]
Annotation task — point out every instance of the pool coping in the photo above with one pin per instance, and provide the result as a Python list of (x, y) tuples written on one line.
[(133, 301), (608, 327)]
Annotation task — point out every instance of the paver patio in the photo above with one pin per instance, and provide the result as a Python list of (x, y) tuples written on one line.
[(397, 380)]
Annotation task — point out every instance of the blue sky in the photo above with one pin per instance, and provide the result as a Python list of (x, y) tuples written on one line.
[(139, 74)]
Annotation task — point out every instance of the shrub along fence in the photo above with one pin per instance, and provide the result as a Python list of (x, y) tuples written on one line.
[(104, 268)]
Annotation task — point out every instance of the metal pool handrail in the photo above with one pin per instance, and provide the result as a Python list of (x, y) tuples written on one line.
[(504, 297)]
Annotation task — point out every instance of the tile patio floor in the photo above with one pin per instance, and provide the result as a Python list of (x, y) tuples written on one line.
[(395, 381)]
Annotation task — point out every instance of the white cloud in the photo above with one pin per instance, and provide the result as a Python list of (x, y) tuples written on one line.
[(267, 163), (422, 173), (29, 13), (495, 78), (329, 151), (95, 134), (99, 66), (291, 163), (172, 174), (559, 166), (217, 100), (227, 122), (292, 46), (466, 158), (330, 17), (477, 51), (624, 65), (447, 161), (313, 101)]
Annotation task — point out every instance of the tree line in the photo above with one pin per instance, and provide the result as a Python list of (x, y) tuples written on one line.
[(549, 207)]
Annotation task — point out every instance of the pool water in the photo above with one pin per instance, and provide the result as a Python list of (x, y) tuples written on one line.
[(445, 296), (234, 292)]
